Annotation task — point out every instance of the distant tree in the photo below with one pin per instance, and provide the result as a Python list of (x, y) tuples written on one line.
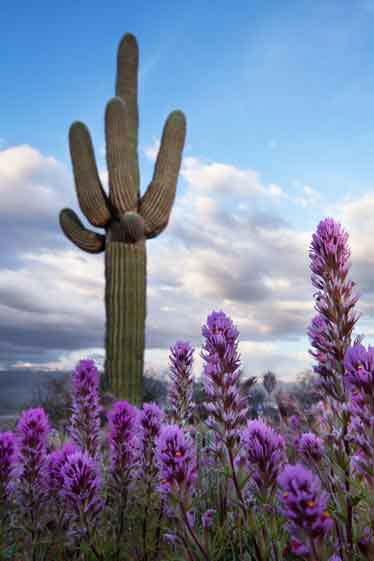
[(54, 396), (305, 392), (154, 388), (269, 381), (256, 400)]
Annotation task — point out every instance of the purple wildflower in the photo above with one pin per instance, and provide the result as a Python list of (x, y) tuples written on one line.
[(366, 543), (150, 420), (295, 423), (359, 368), (31, 434), (221, 378), (7, 459), (359, 379), (330, 332), (311, 447), (171, 538), (207, 518), (85, 419), (181, 388), (81, 489), (176, 458), (124, 440), (27, 483), (264, 453), (303, 504), (54, 463)]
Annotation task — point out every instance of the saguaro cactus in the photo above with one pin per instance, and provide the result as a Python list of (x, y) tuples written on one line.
[(128, 218)]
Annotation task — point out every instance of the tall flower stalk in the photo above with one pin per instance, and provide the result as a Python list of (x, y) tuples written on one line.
[(125, 458), (81, 493), (27, 477), (226, 407), (331, 330), (176, 458), (305, 507), (181, 387), (85, 418), (330, 333)]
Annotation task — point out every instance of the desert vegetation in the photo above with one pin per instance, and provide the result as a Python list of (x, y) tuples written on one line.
[(207, 482)]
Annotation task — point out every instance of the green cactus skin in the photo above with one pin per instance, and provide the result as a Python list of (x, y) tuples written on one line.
[(128, 218)]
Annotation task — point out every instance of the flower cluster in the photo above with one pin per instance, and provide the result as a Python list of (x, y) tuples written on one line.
[(7, 458), (181, 387), (176, 458), (359, 379), (150, 421), (311, 447), (31, 436), (226, 407), (297, 484), (304, 505), (264, 452), (124, 441), (81, 489), (85, 418), (330, 331)]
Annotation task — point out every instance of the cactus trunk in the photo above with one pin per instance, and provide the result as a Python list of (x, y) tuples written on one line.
[(125, 303)]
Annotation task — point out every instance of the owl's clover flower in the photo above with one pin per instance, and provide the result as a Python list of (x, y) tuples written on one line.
[(264, 452), (54, 463), (31, 436), (221, 378), (359, 379), (85, 418), (124, 441), (176, 459), (330, 331), (81, 490), (181, 387), (311, 447), (150, 421), (304, 505), (7, 459)]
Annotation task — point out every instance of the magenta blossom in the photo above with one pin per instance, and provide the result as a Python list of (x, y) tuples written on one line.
[(359, 368), (181, 387), (54, 463), (31, 433), (264, 453), (150, 420), (303, 503), (81, 489), (330, 332), (85, 419), (124, 440), (226, 407), (311, 447), (7, 459), (207, 518), (176, 459)]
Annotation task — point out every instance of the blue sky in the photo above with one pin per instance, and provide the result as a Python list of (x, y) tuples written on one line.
[(278, 98)]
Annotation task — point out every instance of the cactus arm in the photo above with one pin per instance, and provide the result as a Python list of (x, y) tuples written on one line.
[(123, 190), (92, 198), (156, 203), (127, 89), (78, 234)]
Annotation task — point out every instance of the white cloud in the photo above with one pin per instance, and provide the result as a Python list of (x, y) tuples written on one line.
[(218, 252), (30, 183)]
